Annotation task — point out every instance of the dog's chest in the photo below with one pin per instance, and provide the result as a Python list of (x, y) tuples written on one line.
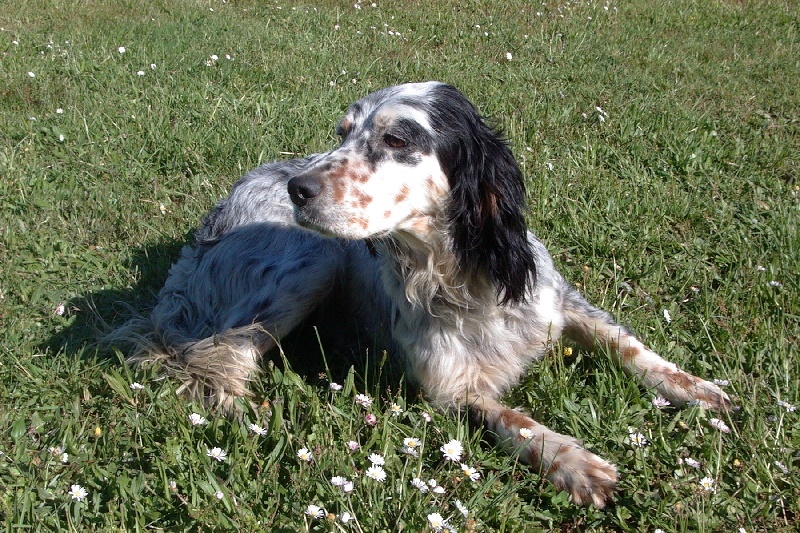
[(450, 349)]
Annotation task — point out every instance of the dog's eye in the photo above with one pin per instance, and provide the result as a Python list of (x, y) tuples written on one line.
[(393, 142)]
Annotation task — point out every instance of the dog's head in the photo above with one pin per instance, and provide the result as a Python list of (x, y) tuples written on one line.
[(410, 154)]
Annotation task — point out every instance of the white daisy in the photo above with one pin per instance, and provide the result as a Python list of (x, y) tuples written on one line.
[(353, 445), (419, 484), (197, 420), (136, 386), (121, 49), (377, 473), (461, 508), (637, 439), (409, 451), (315, 511), (305, 455), (718, 424), (363, 400), (345, 517), (436, 521), (470, 472), (395, 409), (258, 430), (335, 387), (691, 462), (660, 401), (452, 450), (76, 492), (707, 484), (217, 453), (376, 459), (411, 442), (526, 433)]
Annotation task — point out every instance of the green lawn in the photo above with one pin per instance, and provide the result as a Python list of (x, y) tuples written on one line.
[(661, 144)]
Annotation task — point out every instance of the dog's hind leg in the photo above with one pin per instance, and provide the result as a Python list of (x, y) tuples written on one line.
[(227, 302), (592, 328)]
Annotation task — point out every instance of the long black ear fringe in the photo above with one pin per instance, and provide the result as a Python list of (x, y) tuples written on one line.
[(487, 197)]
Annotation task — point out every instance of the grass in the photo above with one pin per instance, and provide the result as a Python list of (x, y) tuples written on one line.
[(661, 144)]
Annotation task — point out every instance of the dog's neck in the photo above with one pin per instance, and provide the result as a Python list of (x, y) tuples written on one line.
[(430, 273)]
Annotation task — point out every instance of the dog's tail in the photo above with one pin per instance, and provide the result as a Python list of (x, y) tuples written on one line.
[(215, 369)]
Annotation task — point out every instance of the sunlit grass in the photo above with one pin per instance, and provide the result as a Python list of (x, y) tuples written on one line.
[(660, 142)]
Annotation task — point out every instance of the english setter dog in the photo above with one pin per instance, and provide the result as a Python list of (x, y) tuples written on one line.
[(413, 227)]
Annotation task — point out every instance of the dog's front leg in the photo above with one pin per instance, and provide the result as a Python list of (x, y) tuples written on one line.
[(592, 328), (587, 478)]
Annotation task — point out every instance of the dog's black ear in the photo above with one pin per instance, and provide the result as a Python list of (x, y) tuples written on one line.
[(487, 204)]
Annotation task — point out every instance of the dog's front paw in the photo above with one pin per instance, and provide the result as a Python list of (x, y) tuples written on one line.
[(711, 396), (587, 478), (682, 388)]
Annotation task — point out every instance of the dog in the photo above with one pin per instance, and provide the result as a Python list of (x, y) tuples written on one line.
[(414, 228)]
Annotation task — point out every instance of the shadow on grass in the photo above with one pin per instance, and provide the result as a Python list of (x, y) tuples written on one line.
[(91, 315)]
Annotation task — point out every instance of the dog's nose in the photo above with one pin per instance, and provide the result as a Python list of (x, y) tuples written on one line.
[(304, 188)]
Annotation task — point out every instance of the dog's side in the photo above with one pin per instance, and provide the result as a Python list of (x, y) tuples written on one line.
[(417, 229)]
